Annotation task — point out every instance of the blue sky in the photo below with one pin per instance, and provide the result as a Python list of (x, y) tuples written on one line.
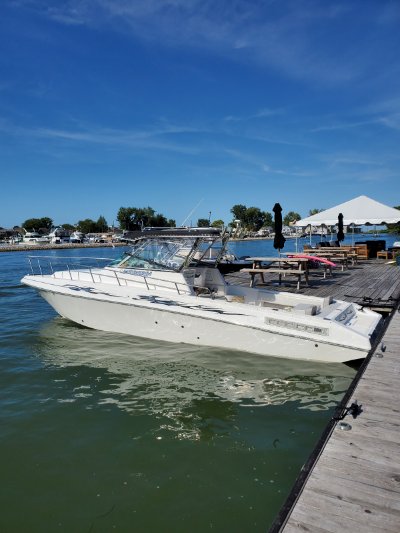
[(192, 106)]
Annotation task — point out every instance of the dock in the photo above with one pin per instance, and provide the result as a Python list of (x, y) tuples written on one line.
[(373, 283), (351, 481), (354, 481)]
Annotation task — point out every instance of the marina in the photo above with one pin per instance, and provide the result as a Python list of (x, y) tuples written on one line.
[(216, 436), (199, 267)]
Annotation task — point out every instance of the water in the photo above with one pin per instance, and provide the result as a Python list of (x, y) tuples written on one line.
[(102, 432)]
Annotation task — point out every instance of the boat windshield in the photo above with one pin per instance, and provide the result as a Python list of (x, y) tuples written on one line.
[(158, 254)]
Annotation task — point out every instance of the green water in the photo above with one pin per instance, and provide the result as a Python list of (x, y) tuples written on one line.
[(102, 432)]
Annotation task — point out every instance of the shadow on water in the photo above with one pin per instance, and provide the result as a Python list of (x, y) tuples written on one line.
[(166, 378)]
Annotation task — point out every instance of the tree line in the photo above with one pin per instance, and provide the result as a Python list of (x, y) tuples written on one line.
[(136, 218), (45, 225)]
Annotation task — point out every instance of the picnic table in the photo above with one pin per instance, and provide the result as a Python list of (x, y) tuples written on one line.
[(350, 252), (282, 266), (314, 260), (338, 256)]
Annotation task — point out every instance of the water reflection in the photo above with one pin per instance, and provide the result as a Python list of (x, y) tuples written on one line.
[(143, 376)]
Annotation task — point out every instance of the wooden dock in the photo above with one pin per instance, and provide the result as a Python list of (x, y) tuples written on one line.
[(354, 481), (373, 283)]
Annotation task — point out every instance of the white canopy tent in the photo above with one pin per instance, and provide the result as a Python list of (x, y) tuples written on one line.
[(358, 212)]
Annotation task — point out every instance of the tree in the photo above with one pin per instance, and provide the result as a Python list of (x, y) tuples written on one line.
[(268, 220), (34, 224), (159, 221), (135, 218), (202, 223), (102, 225), (251, 218), (315, 211), (68, 227), (217, 223), (254, 218), (239, 212), (394, 228), (87, 226), (124, 217), (292, 216)]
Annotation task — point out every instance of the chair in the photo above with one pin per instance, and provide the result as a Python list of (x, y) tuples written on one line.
[(384, 254), (361, 251)]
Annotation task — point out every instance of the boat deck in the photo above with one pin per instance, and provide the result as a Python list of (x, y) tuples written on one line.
[(352, 482), (373, 283)]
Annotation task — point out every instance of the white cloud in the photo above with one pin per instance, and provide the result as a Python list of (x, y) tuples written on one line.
[(345, 125), (391, 121), (162, 138), (262, 113), (295, 37)]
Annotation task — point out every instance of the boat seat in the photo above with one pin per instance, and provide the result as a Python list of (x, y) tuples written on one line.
[(305, 309)]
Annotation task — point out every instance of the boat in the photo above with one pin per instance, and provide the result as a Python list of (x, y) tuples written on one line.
[(160, 289), (33, 237), (227, 263), (76, 237), (59, 235)]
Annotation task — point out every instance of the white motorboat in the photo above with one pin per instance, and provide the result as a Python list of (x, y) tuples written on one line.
[(33, 237), (76, 237), (59, 235), (161, 290)]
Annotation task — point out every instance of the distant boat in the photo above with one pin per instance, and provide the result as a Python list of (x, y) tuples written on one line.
[(59, 235), (33, 237), (76, 236)]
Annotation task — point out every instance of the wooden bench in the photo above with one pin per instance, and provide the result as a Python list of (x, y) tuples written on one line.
[(341, 259), (384, 254), (362, 251), (280, 271)]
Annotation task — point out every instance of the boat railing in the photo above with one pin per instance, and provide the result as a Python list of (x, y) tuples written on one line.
[(49, 265)]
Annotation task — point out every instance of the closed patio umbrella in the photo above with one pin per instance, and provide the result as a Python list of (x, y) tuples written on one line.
[(340, 234), (279, 239)]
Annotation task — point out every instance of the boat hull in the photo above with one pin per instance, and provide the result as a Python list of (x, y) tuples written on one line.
[(166, 324)]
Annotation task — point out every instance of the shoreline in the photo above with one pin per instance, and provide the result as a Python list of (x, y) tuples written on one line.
[(63, 246)]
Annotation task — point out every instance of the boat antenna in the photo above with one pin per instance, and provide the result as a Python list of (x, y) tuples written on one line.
[(192, 211)]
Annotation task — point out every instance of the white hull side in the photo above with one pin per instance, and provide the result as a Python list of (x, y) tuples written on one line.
[(170, 326)]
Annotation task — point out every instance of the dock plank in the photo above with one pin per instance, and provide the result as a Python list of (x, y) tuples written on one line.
[(355, 482)]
